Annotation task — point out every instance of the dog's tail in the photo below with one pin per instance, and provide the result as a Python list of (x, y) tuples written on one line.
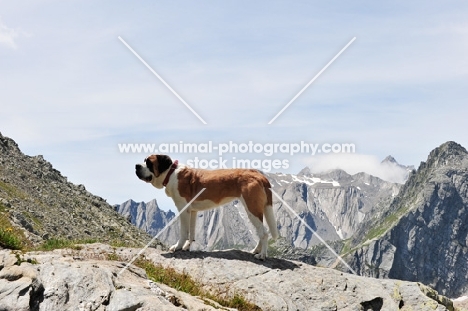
[(270, 215), (268, 211)]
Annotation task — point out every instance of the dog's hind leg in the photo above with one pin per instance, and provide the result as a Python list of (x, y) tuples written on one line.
[(193, 223), (260, 250)]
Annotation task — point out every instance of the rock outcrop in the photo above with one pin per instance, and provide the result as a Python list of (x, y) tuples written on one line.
[(86, 280)]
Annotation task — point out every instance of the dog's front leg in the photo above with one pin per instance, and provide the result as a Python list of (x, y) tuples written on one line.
[(184, 220), (193, 223)]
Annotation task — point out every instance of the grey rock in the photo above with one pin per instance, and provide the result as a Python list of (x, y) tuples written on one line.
[(7, 259), (15, 294), (279, 284), (69, 285), (17, 285), (461, 303), (5, 203), (85, 280), (124, 300), (423, 235)]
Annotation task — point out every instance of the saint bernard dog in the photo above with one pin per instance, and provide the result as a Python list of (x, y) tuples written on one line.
[(222, 186)]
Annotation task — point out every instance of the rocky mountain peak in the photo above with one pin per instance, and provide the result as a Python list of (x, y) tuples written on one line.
[(389, 159), (147, 216), (8, 145), (446, 154), (306, 171), (335, 174)]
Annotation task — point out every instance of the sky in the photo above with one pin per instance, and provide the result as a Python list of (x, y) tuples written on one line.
[(71, 91)]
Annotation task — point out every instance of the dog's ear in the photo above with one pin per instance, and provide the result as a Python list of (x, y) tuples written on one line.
[(149, 164), (164, 162)]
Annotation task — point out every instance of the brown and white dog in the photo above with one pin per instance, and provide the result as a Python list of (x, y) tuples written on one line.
[(183, 183)]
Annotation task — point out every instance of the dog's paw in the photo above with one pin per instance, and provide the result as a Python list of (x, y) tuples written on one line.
[(186, 246), (175, 247), (260, 256), (256, 250)]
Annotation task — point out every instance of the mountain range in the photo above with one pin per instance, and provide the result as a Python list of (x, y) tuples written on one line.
[(416, 231)]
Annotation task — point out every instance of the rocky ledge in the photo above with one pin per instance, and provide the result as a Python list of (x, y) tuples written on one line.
[(84, 279)]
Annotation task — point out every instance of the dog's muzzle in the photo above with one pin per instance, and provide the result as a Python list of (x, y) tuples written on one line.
[(140, 172)]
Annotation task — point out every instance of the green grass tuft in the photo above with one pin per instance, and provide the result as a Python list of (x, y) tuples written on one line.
[(184, 282), (169, 276), (51, 244), (10, 236), (12, 191), (238, 302), (389, 222), (9, 239), (113, 256)]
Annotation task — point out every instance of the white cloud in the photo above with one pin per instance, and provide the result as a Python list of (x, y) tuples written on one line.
[(8, 36), (356, 163)]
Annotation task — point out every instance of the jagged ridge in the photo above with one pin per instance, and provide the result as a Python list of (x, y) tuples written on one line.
[(38, 199)]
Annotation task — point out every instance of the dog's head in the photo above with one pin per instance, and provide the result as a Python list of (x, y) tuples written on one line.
[(153, 167)]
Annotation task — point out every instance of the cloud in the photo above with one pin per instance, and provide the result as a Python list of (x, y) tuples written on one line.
[(8, 36), (356, 163)]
